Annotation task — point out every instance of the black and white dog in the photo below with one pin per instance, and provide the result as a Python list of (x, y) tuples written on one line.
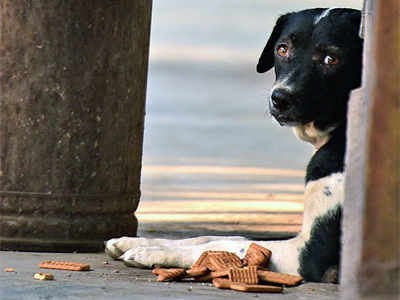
[(317, 55)]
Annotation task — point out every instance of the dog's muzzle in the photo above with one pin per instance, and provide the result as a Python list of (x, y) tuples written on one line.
[(280, 106), (280, 99)]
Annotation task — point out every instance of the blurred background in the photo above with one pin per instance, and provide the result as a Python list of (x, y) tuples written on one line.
[(214, 162)]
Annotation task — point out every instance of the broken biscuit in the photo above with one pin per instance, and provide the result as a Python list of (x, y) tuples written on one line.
[(257, 255)]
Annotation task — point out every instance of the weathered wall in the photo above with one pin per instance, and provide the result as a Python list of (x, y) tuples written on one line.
[(72, 85), (371, 254)]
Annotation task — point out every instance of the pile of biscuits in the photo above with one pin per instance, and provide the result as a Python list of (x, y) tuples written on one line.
[(227, 271)]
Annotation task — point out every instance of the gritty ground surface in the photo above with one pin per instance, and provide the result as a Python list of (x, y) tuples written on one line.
[(109, 279)]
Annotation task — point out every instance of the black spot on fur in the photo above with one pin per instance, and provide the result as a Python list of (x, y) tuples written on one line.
[(322, 250), (327, 192)]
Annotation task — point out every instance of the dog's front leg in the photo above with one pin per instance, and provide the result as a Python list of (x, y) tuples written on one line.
[(181, 253), (146, 253)]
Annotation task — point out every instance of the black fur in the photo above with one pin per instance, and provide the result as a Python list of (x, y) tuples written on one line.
[(322, 250)]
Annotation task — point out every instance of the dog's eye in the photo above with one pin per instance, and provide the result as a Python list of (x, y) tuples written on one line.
[(282, 50), (331, 60)]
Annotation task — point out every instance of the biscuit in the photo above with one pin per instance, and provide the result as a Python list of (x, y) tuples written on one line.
[(257, 255), (158, 271), (170, 274), (200, 262), (62, 265), (212, 275), (243, 287), (247, 275), (274, 277), (43, 276), (203, 258), (222, 283), (222, 261), (196, 272)]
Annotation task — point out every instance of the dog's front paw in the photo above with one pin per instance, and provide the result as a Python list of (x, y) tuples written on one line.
[(117, 247), (148, 257), (111, 249)]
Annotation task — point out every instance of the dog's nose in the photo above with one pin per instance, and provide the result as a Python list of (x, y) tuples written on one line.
[(280, 99)]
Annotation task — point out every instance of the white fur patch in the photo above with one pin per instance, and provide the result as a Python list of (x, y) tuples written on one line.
[(320, 196), (324, 14), (309, 133)]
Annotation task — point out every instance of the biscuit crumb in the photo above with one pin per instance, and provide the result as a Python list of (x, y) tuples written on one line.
[(43, 276), (9, 270)]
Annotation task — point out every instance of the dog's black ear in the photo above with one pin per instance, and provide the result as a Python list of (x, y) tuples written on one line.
[(266, 60)]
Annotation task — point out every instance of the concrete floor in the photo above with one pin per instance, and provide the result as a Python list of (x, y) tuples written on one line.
[(110, 279)]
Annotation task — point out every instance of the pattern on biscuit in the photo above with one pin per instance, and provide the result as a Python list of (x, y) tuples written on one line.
[(247, 275), (202, 261), (222, 261)]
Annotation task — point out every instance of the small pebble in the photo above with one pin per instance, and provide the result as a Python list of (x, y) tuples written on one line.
[(115, 271)]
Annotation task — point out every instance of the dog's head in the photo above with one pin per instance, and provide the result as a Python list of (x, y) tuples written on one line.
[(317, 55)]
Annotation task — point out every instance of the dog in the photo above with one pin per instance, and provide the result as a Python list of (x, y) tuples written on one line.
[(317, 55)]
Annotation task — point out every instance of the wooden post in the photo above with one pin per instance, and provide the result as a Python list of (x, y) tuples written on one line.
[(371, 254), (72, 87)]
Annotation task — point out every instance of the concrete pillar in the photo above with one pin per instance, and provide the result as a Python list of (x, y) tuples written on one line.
[(72, 87), (371, 253)]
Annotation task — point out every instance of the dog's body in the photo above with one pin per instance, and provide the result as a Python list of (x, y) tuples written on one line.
[(317, 58)]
